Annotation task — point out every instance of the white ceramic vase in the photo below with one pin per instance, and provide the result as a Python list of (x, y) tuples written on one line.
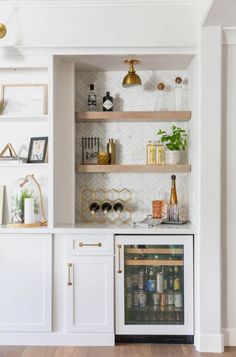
[(174, 157)]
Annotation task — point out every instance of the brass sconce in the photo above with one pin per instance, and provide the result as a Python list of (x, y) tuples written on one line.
[(3, 30), (131, 79)]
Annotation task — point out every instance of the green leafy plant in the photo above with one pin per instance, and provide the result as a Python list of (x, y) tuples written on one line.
[(176, 140)]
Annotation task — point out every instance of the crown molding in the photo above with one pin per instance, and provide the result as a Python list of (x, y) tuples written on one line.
[(229, 36), (94, 3)]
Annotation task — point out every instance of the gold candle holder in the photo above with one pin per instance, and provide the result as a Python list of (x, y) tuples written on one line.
[(103, 158)]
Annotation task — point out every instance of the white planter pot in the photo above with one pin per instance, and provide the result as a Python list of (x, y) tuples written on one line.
[(174, 157)]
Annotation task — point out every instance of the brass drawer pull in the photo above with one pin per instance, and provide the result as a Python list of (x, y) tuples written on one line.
[(81, 244), (69, 266), (119, 271)]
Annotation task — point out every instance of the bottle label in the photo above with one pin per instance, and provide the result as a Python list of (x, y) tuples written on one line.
[(178, 301), (177, 284), (150, 285), (107, 104), (91, 99)]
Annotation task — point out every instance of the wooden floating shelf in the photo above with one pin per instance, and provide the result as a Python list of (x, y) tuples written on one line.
[(133, 168), (166, 116), (155, 262), (153, 251)]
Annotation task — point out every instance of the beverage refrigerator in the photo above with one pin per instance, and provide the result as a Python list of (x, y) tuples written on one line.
[(154, 284)]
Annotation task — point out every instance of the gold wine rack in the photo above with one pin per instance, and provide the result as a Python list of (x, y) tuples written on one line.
[(100, 195)]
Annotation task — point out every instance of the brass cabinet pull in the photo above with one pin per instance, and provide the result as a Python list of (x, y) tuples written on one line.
[(119, 271), (69, 266), (81, 244)]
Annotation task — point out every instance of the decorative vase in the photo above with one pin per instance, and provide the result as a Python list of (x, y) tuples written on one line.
[(174, 157)]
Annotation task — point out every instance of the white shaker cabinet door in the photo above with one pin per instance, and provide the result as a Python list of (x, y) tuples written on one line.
[(25, 282), (90, 296)]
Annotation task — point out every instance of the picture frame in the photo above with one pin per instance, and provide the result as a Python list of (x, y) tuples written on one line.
[(38, 150), (24, 99)]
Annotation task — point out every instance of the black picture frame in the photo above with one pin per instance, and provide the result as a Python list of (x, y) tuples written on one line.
[(40, 157)]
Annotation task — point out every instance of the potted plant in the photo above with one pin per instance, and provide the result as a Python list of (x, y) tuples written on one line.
[(176, 144)]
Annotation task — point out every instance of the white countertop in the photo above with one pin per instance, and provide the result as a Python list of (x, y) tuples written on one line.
[(187, 228)]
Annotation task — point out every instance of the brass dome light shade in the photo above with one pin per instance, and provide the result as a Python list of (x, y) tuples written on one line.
[(131, 79), (3, 30)]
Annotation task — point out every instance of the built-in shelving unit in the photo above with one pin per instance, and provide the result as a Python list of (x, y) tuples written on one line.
[(142, 116), (133, 168)]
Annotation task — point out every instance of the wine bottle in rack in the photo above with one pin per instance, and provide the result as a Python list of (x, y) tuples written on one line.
[(106, 206), (94, 207), (118, 206)]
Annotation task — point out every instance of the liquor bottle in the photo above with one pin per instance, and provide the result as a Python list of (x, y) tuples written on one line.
[(173, 209), (151, 281), (141, 279), (177, 286), (173, 194), (94, 207), (107, 103), (170, 278), (92, 99), (111, 149), (106, 206), (159, 281), (145, 278), (118, 206)]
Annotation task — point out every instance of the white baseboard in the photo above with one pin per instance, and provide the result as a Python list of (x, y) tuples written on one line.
[(209, 343), (57, 339), (230, 336)]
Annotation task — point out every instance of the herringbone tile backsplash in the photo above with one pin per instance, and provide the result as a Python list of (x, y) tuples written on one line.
[(131, 138)]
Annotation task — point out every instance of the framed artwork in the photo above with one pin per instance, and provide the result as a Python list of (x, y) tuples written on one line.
[(38, 150), (1, 202), (23, 99)]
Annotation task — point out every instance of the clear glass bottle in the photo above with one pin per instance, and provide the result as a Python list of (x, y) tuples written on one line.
[(92, 99), (178, 94), (160, 104)]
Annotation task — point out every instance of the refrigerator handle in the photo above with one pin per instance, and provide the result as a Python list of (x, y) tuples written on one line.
[(119, 271)]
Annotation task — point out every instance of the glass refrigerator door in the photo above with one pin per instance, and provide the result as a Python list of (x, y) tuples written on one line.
[(153, 286)]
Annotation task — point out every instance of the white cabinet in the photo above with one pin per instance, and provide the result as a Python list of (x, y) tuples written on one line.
[(26, 282), (90, 283), (90, 297)]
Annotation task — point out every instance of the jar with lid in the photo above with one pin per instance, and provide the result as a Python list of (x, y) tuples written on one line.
[(151, 153), (160, 153)]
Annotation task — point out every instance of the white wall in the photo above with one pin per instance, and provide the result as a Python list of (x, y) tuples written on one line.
[(163, 25), (229, 194)]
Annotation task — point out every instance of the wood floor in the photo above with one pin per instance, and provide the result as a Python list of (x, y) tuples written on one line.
[(123, 350)]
